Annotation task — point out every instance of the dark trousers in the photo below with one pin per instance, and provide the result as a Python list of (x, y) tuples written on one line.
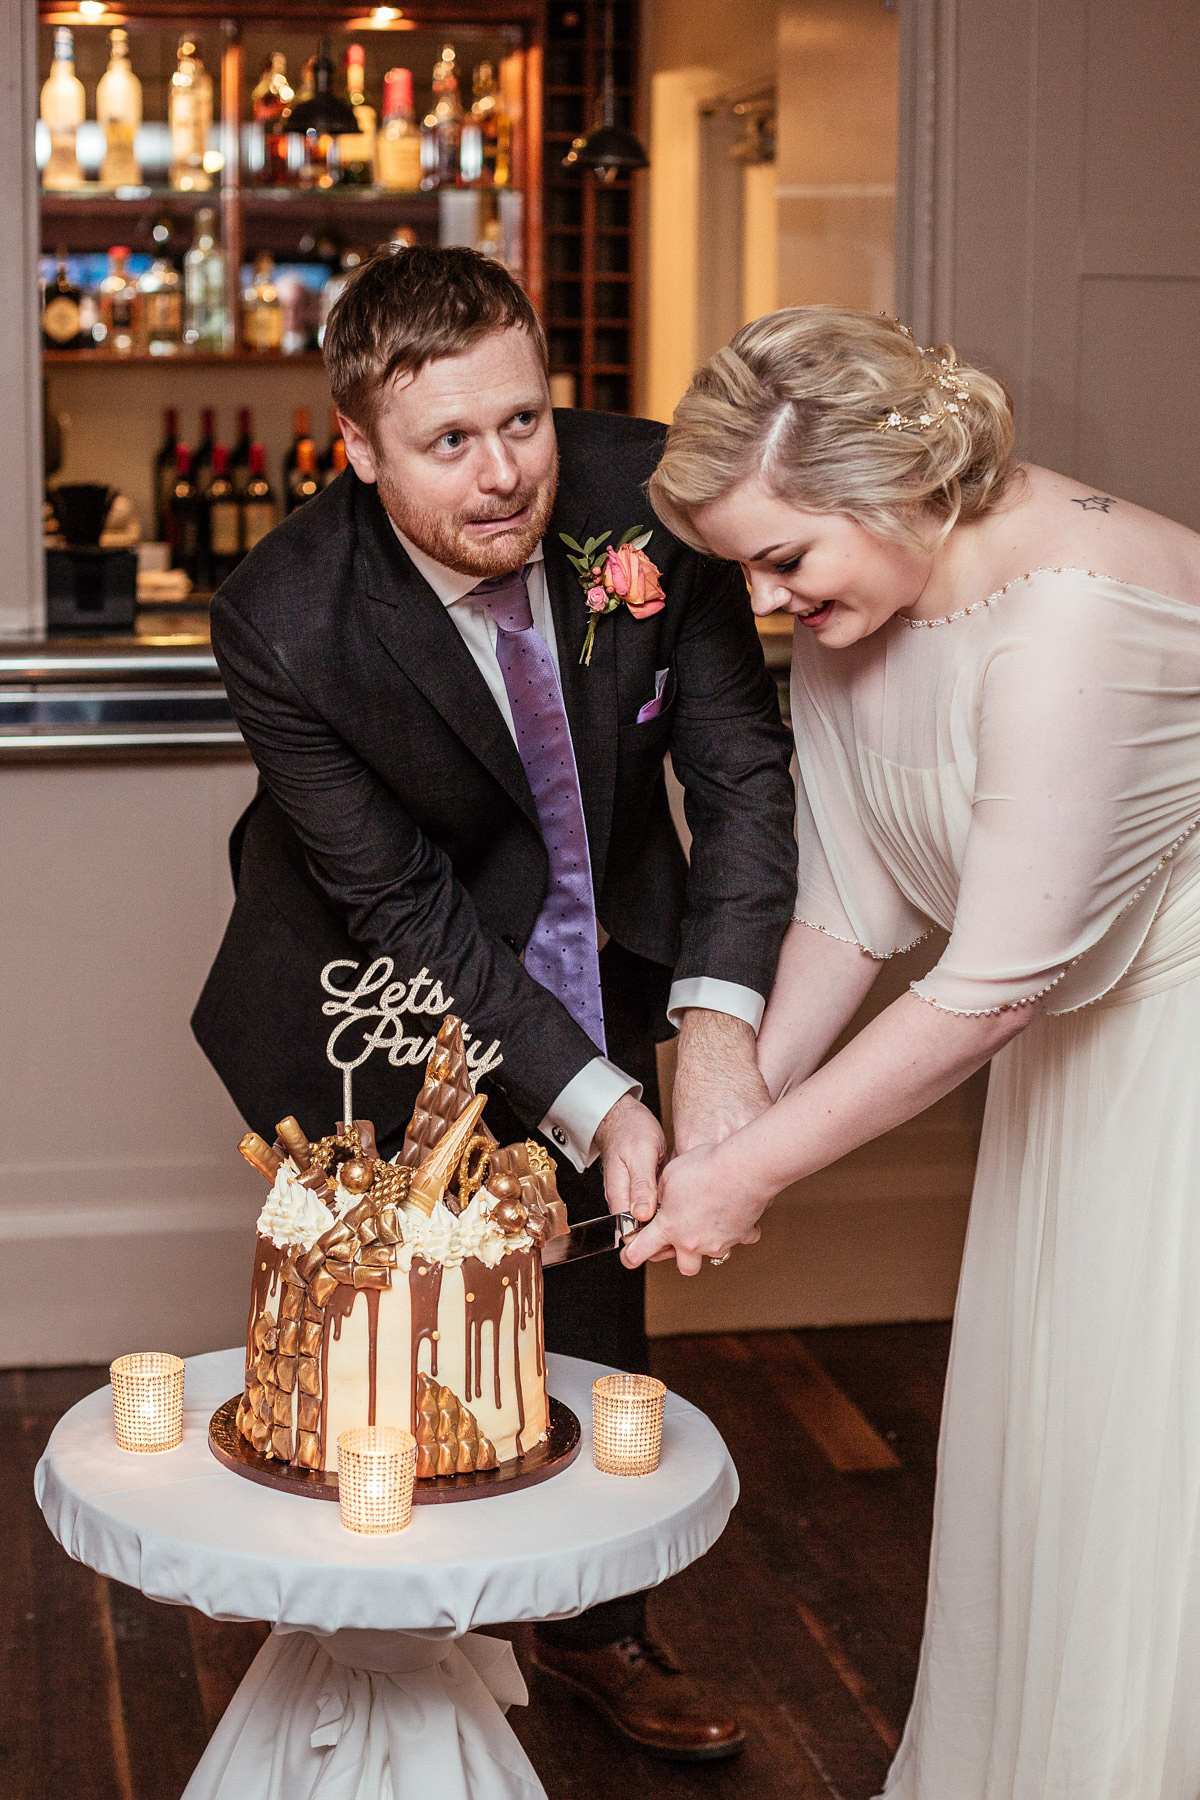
[(596, 1308)]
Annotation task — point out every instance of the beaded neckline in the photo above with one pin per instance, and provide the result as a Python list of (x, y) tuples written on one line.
[(978, 605)]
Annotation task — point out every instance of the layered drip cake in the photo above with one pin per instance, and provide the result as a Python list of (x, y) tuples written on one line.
[(403, 1293)]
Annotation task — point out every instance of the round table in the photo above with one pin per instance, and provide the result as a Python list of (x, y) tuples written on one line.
[(374, 1684)]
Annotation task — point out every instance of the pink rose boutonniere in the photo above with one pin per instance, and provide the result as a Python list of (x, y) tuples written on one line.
[(612, 577)]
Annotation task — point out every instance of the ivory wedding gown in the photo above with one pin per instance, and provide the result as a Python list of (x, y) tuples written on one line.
[(1026, 774)]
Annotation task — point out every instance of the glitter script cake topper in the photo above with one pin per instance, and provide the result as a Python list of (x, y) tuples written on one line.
[(379, 1005)]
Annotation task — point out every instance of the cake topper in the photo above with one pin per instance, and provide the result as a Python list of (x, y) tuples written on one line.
[(376, 997)]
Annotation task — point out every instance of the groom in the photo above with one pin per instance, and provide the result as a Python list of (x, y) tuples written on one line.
[(445, 783)]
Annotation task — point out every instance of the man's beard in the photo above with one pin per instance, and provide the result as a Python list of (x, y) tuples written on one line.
[(441, 536)]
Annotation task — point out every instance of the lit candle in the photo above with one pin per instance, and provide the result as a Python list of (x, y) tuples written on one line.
[(147, 1389), (376, 1468), (627, 1416)]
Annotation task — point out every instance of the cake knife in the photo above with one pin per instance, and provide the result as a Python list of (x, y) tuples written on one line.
[(611, 1231)]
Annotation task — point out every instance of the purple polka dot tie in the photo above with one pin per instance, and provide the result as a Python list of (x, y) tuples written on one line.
[(562, 952)]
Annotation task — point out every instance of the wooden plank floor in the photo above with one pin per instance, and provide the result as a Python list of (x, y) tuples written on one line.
[(806, 1616)]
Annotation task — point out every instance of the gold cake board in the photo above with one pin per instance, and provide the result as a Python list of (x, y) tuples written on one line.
[(557, 1453)]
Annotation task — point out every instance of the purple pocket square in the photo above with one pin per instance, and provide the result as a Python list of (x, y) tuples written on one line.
[(653, 707)]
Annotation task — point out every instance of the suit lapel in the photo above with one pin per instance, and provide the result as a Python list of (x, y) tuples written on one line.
[(589, 692), (413, 628)]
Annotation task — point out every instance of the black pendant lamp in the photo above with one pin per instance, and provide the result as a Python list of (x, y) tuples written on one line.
[(325, 113), (610, 150)]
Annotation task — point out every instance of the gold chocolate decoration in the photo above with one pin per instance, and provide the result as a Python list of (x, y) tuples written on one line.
[(471, 1180), (357, 1174), (449, 1441), (532, 1166), (294, 1142), (259, 1154), (446, 1093), (435, 1174)]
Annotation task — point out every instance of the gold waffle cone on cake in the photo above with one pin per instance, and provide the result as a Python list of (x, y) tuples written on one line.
[(433, 1177), (449, 1441), (446, 1092)]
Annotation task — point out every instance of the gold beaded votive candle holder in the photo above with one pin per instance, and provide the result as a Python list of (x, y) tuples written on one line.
[(147, 1390), (377, 1465), (627, 1416)]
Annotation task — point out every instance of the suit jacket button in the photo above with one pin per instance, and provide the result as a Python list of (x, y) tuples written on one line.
[(559, 1135)]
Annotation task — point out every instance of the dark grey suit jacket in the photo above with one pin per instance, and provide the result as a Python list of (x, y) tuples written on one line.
[(394, 815)]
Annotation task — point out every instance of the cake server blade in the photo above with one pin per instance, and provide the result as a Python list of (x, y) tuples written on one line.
[(609, 1232)]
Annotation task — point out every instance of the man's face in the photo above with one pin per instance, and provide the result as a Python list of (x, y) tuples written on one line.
[(464, 455)]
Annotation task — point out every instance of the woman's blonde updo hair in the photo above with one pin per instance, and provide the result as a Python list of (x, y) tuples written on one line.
[(839, 412)]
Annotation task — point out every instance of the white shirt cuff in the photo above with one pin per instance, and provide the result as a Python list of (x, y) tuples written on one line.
[(716, 996), (572, 1120)]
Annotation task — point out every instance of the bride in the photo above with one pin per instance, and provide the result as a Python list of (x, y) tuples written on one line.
[(996, 694)]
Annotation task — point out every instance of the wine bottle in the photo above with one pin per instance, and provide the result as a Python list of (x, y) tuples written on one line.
[(356, 152), (204, 325), (259, 511), (398, 145), (271, 102), (300, 431), (164, 472), (302, 481), (119, 112), (447, 119), (224, 533), (183, 516), (239, 456), (202, 454), (189, 116), (63, 110), (62, 311), (262, 311), (119, 325)]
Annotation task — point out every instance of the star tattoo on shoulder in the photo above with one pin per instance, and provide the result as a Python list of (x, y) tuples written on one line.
[(1095, 503)]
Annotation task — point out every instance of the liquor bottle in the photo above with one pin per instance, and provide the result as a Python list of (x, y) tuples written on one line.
[(491, 118), (62, 311), (320, 165), (189, 116), (259, 511), (447, 118), (161, 293), (63, 110), (204, 325), (202, 454), (332, 292), (239, 456), (303, 481), (300, 431), (164, 471), (272, 101), (224, 526), (183, 516), (262, 313), (398, 145), (337, 461), (119, 325), (356, 152), (119, 112)]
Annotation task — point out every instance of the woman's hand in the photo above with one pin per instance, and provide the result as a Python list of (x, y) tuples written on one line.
[(703, 1210)]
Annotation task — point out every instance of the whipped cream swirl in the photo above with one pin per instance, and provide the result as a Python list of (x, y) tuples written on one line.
[(446, 1238), (292, 1213)]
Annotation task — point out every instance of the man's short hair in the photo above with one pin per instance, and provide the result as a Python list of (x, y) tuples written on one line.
[(403, 308)]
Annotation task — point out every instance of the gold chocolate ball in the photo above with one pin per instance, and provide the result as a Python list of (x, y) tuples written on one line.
[(510, 1215), (357, 1174), (505, 1187)]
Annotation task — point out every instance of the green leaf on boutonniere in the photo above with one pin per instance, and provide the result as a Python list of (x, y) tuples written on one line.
[(637, 537)]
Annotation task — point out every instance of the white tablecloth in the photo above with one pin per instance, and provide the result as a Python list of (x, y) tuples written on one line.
[(336, 1706)]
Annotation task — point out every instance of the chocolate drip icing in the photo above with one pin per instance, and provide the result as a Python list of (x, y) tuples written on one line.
[(485, 1293), (425, 1292), (268, 1271)]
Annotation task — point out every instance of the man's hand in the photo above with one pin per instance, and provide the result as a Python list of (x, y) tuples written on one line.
[(631, 1143), (718, 1087)]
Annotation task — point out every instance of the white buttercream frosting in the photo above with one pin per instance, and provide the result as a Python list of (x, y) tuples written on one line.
[(292, 1213), (444, 1237)]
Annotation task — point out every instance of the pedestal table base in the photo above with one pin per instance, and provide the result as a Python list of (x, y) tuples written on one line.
[(371, 1715)]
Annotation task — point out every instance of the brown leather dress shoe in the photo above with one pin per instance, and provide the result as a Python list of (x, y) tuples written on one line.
[(641, 1690)]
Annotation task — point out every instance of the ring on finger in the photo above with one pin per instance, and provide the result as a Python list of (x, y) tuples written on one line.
[(716, 1261)]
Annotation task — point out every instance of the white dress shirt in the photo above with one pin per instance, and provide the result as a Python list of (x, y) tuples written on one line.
[(577, 1111)]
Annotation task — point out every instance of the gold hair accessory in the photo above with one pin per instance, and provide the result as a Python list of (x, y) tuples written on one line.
[(945, 374)]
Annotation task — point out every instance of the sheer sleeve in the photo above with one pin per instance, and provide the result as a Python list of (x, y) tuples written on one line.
[(844, 888), (1087, 779)]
